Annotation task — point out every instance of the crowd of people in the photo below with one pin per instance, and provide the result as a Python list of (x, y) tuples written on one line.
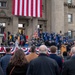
[(38, 64), (37, 39), (50, 39), (17, 39)]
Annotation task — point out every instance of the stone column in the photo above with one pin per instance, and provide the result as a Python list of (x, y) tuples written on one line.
[(57, 16), (15, 25), (66, 26), (34, 24), (48, 15), (29, 29)]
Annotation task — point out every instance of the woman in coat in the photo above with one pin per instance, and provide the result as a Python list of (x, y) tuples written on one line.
[(18, 64)]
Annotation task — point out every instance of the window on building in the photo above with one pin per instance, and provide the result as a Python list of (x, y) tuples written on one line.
[(69, 34), (2, 24), (39, 26), (3, 4), (2, 27), (21, 25), (70, 1), (70, 17)]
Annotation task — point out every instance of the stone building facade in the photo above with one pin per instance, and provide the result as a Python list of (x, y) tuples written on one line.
[(58, 15)]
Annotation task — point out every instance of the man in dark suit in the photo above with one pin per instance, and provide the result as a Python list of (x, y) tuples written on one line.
[(43, 65), (54, 56), (1, 71), (69, 65)]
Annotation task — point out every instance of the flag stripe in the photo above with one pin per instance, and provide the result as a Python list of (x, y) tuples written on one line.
[(40, 8), (20, 10), (27, 8), (13, 6), (32, 8), (29, 14), (18, 7), (23, 7), (25, 4), (36, 8)]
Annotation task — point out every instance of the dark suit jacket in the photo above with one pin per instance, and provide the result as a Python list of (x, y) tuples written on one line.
[(57, 58), (69, 67), (1, 71), (43, 65)]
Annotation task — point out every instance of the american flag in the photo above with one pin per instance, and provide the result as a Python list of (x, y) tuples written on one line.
[(31, 8)]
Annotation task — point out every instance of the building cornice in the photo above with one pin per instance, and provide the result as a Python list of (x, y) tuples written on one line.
[(41, 19), (69, 5), (28, 18), (5, 17)]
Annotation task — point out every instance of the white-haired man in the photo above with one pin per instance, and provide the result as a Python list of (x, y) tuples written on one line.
[(43, 65), (69, 65)]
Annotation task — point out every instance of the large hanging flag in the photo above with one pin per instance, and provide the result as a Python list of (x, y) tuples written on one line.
[(32, 8)]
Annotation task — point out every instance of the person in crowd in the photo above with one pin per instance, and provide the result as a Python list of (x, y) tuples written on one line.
[(40, 33), (8, 37), (32, 54), (18, 64), (22, 39), (69, 65), (68, 47), (54, 56), (16, 42), (5, 60), (25, 40), (47, 43), (69, 54), (2, 47), (65, 55), (43, 65), (1, 71), (53, 43), (74, 42), (36, 41)]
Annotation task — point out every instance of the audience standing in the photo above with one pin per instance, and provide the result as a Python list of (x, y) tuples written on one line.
[(18, 64), (69, 65), (5, 60), (16, 42), (54, 56), (65, 55), (1, 71), (43, 65), (32, 54)]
